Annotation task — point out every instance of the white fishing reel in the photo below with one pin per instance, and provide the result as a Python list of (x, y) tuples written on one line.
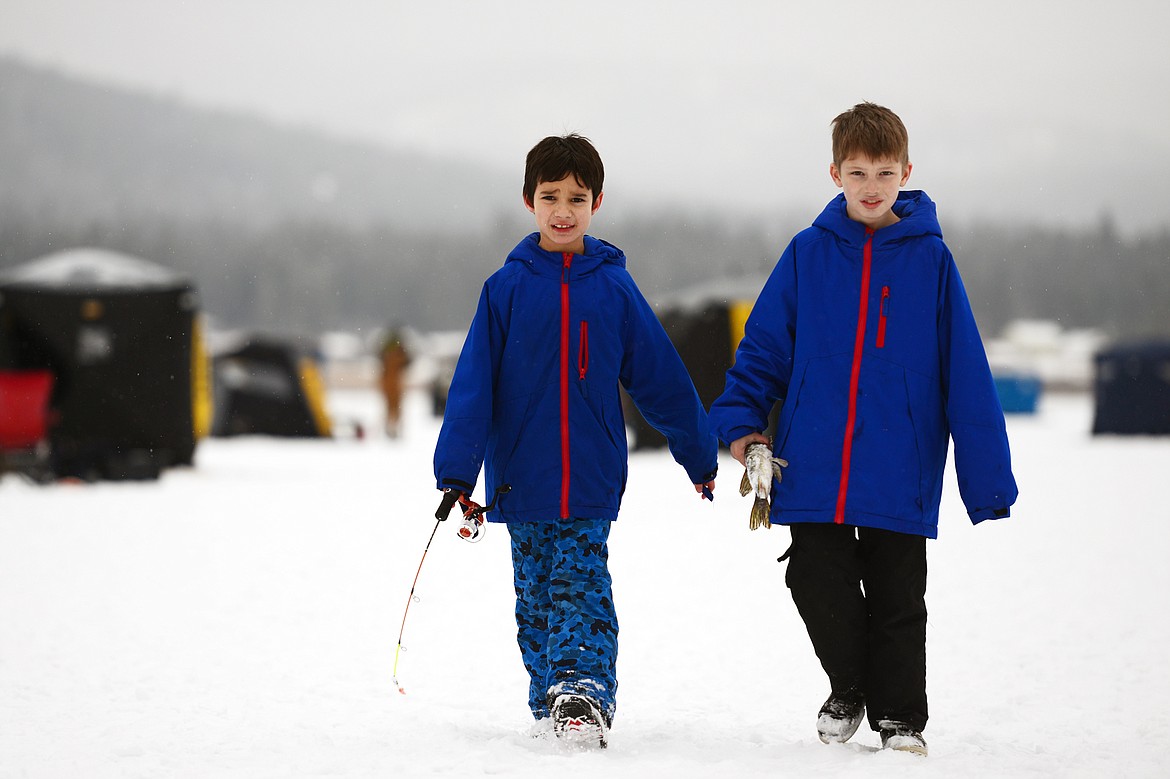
[(472, 529)]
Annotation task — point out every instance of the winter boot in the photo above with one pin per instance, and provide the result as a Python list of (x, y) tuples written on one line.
[(839, 717), (901, 737), (579, 723)]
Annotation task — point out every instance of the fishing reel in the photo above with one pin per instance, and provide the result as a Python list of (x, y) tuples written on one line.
[(472, 527)]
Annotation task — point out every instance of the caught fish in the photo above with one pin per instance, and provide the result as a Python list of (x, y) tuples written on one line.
[(760, 469)]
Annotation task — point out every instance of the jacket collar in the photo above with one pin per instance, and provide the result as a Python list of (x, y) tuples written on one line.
[(597, 253), (916, 217)]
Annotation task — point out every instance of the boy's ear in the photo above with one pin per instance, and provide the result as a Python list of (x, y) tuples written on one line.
[(528, 203), (597, 202), (835, 174), (906, 174)]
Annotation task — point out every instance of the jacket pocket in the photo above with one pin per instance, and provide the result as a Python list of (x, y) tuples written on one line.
[(883, 313), (885, 478)]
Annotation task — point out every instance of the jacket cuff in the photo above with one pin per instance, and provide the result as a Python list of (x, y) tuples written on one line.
[(709, 476), (736, 433), (982, 514)]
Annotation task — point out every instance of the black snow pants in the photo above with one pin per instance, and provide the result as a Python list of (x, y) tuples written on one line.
[(862, 595)]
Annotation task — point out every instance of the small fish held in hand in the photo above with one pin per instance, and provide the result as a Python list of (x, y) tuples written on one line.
[(760, 469)]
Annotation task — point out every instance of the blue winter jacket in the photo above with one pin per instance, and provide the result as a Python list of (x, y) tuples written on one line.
[(869, 340), (535, 398)]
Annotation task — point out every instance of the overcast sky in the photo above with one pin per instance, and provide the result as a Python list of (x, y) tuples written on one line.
[(1051, 110)]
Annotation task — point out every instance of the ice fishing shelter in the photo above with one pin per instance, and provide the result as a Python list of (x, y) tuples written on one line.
[(705, 334), (120, 338), (1132, 389), (269, 386)]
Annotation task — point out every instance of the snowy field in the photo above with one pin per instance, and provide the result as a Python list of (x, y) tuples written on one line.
[(239, 619)]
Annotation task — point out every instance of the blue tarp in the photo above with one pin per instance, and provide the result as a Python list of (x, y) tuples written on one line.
[(1018, 393)]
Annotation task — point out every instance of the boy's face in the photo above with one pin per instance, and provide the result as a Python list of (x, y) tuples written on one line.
[(871, 188), (563, 211)]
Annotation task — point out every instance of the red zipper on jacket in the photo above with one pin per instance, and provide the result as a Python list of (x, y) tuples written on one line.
[(568, 257), (854, 377)]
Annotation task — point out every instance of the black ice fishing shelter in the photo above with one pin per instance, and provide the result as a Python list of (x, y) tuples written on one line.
[(1132, 389), (120, 336), (269, 386), (705, 334)]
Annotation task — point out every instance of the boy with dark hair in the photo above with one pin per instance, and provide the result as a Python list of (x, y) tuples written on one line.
[(864, 331), (535, 401)]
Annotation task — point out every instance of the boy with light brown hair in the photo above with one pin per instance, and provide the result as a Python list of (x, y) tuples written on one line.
[(865, 333)]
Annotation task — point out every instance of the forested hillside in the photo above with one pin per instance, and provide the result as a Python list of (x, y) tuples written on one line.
[(286, 229)]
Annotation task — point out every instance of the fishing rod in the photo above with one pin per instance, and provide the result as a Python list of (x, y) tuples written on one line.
[(473, 514)]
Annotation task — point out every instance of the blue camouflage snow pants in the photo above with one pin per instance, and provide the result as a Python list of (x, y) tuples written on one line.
[(566, 624)]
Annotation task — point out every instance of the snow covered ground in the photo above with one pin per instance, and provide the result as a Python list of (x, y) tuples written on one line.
[(239, 619)]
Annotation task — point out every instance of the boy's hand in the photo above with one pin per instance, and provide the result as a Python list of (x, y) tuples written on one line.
[(707, 490), (739, 446)]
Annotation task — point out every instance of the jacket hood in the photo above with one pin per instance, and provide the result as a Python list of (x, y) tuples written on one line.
[(546, 263), (915, 210)]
